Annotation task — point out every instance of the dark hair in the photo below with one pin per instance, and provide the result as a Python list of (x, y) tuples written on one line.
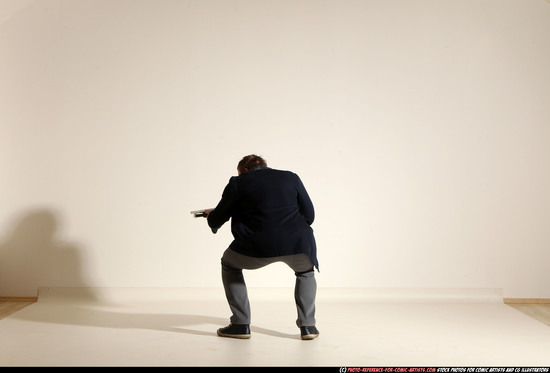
[(250, 161)]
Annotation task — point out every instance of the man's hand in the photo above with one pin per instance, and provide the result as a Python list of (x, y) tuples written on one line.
[(201, 213)]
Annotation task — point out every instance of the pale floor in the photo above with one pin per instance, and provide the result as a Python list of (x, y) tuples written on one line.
[(133, 330)]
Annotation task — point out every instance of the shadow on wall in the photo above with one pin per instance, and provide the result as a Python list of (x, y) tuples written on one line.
[(32, 256)]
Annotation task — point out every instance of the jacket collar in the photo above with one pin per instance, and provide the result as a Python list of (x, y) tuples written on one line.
[(258, 167)]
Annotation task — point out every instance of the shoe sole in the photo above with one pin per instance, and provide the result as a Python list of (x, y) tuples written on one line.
[(308, 337), (237, 336)]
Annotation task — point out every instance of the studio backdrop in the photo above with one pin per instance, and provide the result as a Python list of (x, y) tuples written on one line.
[(421, 130)]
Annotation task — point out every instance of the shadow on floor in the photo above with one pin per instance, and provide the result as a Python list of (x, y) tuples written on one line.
[(176, 323)]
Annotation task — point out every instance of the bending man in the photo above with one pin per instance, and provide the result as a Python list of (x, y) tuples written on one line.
[(271, 216)]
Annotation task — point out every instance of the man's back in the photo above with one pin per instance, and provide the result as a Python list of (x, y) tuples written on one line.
[(271, 214), (272, 200)]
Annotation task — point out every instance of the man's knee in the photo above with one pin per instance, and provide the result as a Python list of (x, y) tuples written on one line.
[(309, 272)]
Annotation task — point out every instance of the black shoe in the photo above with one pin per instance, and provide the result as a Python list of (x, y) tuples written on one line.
[(309, 332), (241, 331)]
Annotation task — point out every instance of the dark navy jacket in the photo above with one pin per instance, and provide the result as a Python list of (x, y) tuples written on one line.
[(270, 212)]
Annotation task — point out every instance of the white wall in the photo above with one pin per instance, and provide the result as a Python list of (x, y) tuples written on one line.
[(420, 128)]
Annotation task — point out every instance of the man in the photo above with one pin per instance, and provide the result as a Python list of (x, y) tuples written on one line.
[(271, 214)]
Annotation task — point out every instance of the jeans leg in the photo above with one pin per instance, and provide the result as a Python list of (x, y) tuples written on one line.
[(236, 294), (304, 294)]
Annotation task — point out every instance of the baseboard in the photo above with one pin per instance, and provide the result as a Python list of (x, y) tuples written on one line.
[(505, 300), (372, 295), (526, 300), (19, 299)]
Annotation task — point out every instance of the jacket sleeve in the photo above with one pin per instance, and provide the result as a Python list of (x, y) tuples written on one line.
[(304, 202), (223, 211)]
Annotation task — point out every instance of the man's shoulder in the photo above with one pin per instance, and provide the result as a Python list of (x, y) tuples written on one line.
[(282, 172)]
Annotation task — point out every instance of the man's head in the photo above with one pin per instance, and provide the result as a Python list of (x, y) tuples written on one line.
[(250, 161)]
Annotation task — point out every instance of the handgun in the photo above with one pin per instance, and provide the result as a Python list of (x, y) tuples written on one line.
[(200, 213)]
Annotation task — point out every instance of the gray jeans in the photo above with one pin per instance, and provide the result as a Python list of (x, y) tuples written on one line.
[(237, 296)]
